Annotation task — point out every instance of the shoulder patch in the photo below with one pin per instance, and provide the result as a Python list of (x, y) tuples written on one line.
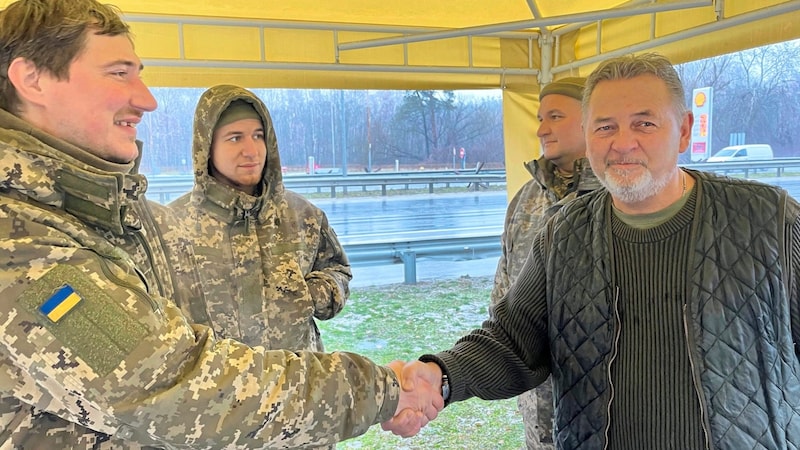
[(62, 302), (83, 318)]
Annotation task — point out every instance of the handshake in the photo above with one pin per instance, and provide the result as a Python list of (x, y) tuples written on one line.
[(420, 398)]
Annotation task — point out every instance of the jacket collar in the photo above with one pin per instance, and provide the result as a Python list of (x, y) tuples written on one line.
[(229, 204), (53, 172), (544, 172)]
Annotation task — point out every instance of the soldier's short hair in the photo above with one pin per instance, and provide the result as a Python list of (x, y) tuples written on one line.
[(50, 34)]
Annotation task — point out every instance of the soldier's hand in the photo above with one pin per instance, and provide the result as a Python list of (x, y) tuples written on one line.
[(420, 398)]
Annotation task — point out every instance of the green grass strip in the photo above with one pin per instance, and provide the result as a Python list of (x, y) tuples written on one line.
[(402, 321)]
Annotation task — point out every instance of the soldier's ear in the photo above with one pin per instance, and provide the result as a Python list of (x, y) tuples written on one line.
[(26, 79)]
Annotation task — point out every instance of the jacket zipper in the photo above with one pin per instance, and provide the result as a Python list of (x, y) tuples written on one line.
[(696, 378), (246, 215), (149, 253), (614, 352)]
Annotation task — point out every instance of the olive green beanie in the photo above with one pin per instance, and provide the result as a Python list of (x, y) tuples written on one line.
[(237, 110), (571, 87)]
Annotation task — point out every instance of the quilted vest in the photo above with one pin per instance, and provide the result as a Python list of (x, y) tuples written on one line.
[(737, 316)]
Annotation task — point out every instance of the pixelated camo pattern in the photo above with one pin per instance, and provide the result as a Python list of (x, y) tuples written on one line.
[(270, 263), (527, 214), (124, 368)]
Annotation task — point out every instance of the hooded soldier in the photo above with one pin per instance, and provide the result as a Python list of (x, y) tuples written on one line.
[(270, 262)]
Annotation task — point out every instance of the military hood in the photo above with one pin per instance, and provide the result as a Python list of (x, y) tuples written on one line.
[(271, 264), (67, 177), (229, 201)]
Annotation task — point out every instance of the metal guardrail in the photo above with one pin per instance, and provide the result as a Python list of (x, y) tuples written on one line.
[(380, 252), (407, 251), (168, 188), (406, 179), (779, 165)]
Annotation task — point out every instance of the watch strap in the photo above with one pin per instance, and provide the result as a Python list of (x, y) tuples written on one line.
[(445, 387)]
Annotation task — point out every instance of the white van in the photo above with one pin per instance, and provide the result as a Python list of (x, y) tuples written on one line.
[(744, 152)]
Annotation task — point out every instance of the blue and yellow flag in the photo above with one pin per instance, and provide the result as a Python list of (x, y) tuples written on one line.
[(62, 302)]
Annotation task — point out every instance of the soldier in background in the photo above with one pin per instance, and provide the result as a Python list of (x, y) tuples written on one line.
[(561, 174), (94, 352), (269, 261)]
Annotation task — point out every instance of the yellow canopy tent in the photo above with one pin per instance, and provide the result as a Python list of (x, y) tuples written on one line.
[(513, 45)]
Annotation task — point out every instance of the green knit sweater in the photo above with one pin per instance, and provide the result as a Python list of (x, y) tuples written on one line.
[(660, 407)]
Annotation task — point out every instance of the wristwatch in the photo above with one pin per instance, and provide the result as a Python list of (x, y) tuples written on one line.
[(445, 387)]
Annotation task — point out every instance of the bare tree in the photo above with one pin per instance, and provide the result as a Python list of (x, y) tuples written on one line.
[(755, 94), (420, 115)]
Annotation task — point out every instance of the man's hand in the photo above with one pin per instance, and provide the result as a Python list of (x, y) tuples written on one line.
[(421, 397)]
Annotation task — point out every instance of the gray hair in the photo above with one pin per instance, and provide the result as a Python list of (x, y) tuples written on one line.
[(630, 66)]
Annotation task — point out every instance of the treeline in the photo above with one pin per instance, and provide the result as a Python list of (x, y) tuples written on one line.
[(376, 127), (755, 95)]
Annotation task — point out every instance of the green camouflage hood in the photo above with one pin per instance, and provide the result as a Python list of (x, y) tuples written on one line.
[(544, 172), (271, 263), (209, 108)]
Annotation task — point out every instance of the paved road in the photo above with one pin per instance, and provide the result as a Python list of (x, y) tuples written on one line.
[(791, 184), (364, 219), (419, 213), (368, 218)]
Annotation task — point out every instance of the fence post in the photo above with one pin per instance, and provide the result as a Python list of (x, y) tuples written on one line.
[(409, 259)]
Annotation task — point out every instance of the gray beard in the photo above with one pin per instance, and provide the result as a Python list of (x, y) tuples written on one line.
[(645, 187)]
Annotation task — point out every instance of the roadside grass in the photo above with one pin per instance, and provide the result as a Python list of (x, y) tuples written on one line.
[(402, 321)]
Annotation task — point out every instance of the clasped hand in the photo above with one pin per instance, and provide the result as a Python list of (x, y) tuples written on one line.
[(420, 397)]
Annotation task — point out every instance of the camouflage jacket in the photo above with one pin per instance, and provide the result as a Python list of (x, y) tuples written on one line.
[(93, 354), (270, 263), (529, 210)]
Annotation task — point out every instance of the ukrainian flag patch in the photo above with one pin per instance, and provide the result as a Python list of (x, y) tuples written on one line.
[(60, 303)]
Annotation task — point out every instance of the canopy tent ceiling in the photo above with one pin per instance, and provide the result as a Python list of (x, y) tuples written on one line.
[(514, 45), (418, 44)]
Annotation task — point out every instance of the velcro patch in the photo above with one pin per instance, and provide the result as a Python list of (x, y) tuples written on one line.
[(62, 302), (83, 317)]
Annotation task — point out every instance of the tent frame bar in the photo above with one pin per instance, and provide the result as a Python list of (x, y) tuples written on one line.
[(721, 24), (613, 13)]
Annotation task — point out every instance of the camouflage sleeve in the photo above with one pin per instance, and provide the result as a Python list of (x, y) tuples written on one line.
[(501, 278), (329, 280), (188, 286), (85, 341)]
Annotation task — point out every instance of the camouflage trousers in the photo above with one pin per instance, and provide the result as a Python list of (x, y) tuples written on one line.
[(536, 407)]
